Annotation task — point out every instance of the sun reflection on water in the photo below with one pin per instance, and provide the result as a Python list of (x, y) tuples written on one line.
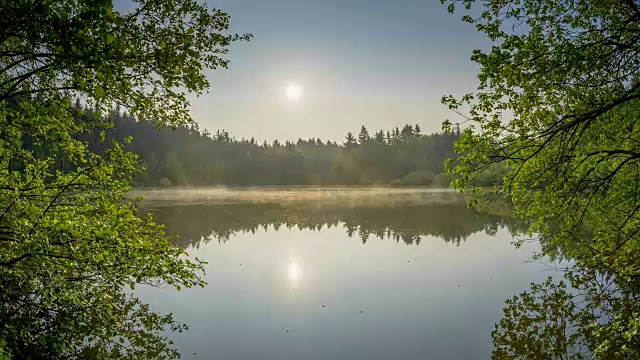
[(294, 273)]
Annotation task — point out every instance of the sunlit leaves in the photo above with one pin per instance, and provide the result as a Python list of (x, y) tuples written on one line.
[(70, 241), (73, 244), (570, 138), (147, 58), (558, 105)]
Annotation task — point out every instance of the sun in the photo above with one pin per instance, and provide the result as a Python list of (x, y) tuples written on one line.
[(294, 91)]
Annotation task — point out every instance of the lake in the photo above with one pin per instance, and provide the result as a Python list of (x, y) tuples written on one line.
[(339, 273)]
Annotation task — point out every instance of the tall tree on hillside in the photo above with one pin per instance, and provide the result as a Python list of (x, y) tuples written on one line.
[(568, 72)]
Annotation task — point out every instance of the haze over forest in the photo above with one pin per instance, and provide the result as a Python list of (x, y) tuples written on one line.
[(187, 156)]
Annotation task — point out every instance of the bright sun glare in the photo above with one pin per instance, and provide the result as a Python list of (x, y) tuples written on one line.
[(294, 273), (294, 91)]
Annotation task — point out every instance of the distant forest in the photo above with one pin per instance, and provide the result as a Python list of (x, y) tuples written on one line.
[(190, 157)]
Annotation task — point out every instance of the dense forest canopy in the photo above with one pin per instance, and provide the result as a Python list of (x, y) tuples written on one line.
[(188, 156)]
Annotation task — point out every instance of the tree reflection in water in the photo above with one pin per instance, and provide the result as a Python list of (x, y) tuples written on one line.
[(569, 319), (588, 315), (452, 222)]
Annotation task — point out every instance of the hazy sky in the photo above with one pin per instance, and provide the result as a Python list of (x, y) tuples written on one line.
[(372, 62)]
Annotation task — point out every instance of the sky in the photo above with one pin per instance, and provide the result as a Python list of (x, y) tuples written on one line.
[(378, 63)]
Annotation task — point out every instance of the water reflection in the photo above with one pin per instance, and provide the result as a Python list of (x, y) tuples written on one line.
[(306, 292), (200, 223), (294, 272), (587, 315), (434, 297)]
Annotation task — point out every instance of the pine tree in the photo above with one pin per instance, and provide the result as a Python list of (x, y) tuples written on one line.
[(350, 141), (407, 132), (363, 136)]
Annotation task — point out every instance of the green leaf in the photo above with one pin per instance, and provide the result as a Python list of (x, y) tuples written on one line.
[(99, 92)]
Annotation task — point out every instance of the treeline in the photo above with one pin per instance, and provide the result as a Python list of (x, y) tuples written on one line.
[(190, 157)]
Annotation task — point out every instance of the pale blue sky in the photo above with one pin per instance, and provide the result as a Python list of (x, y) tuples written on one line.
[(372, 62)]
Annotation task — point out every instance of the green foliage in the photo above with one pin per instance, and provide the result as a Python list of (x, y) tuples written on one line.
[(571, 149), (490, 176), (443, 180), (5, 353), (174, 169), (187, 156), (557, 109), (71, 245), (417, 178)]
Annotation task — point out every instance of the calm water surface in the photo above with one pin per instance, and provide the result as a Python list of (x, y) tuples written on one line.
[(340, 274)]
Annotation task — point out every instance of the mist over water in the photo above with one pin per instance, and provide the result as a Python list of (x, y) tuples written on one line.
[(344, 195)]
